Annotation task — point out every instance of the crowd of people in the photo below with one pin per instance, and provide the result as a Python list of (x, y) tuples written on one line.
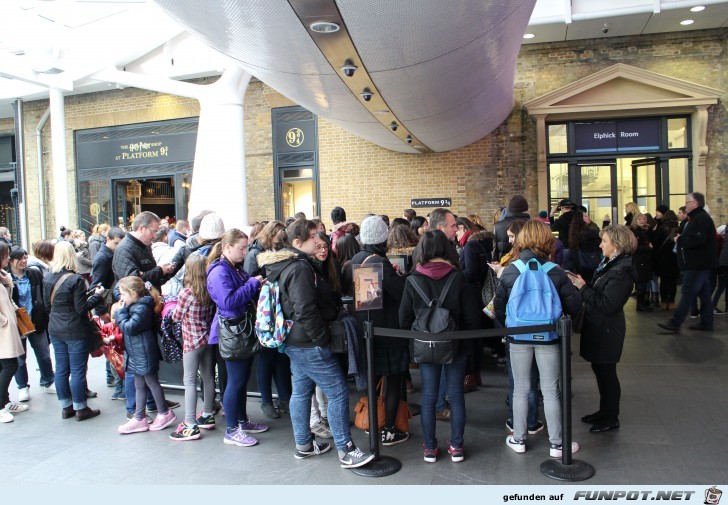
[(199, 275)]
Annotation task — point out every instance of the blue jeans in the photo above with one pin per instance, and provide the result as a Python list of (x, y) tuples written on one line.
[(454, 377), (695, 285), (310, 367), (532, 417), (441, 402), (276, 366), (236, 392), (548, 360), (720, 289), (71, 360), (39, 343)]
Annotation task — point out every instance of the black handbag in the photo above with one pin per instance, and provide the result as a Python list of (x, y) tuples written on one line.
[(237, 338)]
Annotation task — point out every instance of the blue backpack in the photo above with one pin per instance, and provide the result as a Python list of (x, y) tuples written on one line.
[(533, 301)]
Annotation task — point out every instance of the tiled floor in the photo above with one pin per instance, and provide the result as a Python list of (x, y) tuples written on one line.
[(674, 404)]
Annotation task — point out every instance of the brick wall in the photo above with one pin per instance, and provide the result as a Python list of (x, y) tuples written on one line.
[(362, 177)]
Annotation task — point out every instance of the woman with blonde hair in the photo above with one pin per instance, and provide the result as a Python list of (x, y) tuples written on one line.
[(630, 210), (602, 336), (68, 304), (642, 260)]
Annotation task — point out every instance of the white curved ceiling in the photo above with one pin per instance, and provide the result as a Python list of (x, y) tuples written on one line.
[(445, 69)]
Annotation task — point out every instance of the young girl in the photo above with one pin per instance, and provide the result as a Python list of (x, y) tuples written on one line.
[(195, 310), (140, 303), (112, 336)]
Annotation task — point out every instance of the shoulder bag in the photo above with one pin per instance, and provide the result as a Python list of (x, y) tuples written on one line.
[(237, 338), (361, 420)]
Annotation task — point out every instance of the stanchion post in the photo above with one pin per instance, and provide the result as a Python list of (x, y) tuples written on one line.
[(380, 466), (371, 390), (567, 469)]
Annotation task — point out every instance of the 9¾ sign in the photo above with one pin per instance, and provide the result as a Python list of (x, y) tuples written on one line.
[(431, 202)]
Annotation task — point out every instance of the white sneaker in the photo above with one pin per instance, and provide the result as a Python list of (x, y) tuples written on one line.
[(51, 390), (6, 417), (14, 408), (555, 451), (24, 394)]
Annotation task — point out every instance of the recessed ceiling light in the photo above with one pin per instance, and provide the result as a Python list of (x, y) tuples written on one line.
[(686, 22), (529, 36), (381, 111), (324, 27), (698, 8)]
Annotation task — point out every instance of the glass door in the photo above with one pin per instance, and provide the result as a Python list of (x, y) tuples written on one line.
[(595, 189), (127, 202), (646, 184), (297, 192)]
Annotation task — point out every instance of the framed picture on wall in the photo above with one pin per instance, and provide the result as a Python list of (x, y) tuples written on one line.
[(368, 286)]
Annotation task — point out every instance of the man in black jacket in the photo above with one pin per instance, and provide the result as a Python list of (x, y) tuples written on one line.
[(563, 223), (697, 253), (133, 256), (307, 345), (102, 273)]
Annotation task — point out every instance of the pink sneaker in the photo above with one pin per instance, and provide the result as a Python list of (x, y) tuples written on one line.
[(133, 426), (162, 421)]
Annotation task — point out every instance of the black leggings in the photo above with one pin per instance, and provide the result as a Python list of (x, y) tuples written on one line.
[(8, 367), (221, 370), (668, 289), (393, 387), (610, 390)]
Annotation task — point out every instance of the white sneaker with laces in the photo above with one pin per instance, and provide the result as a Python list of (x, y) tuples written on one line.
[(555, 451), (24, 394), (51, 390), (14, 408), (6, 417)]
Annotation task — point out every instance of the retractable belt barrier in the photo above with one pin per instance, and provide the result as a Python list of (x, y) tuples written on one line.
[(567, 469)]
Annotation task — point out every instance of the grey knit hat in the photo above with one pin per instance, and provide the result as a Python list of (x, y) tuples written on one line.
[(374, 231), (212, 227)]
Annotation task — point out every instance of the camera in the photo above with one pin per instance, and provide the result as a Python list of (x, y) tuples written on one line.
[(558, 208), (366, 95), (349, 68), (605, 30)]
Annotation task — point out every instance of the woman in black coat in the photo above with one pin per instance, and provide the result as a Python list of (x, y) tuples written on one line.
[(642, 261), (602, 336), (664, 259), (67, 302)]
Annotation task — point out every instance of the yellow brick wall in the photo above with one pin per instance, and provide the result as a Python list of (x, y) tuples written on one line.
[(362, 177)]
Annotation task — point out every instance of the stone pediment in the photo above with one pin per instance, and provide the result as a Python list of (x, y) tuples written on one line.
[(623, 88)]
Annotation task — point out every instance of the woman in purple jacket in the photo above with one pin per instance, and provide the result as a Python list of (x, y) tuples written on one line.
[(232, 290)]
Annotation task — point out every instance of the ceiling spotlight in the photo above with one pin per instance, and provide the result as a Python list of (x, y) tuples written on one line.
[(366, 95), (349, 68), (393, 126), (324, 27), (698, 8), (687, 22), (408, 139), (529, 36)]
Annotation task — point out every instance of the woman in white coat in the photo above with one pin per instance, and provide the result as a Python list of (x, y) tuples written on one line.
[(10, 345)]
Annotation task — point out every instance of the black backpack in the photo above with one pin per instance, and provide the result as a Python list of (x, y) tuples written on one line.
[(434, 319)]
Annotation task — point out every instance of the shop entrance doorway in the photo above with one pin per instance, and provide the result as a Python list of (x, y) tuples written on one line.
[(132, 196)]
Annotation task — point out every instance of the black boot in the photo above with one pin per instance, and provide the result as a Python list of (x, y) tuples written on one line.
[(643, 301)]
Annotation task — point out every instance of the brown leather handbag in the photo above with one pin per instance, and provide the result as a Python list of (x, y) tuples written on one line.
[(25, 324), (361, 420)]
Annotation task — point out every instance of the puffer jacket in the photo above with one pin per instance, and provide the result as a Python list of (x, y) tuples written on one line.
[(569, 296), (602, 336), (137, 324), (302, 298), (132, 257), (70, 306), (231, 289)]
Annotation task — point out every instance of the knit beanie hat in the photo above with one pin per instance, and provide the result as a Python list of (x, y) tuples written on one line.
[(374, 231), (212, 227), (518, 204)]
